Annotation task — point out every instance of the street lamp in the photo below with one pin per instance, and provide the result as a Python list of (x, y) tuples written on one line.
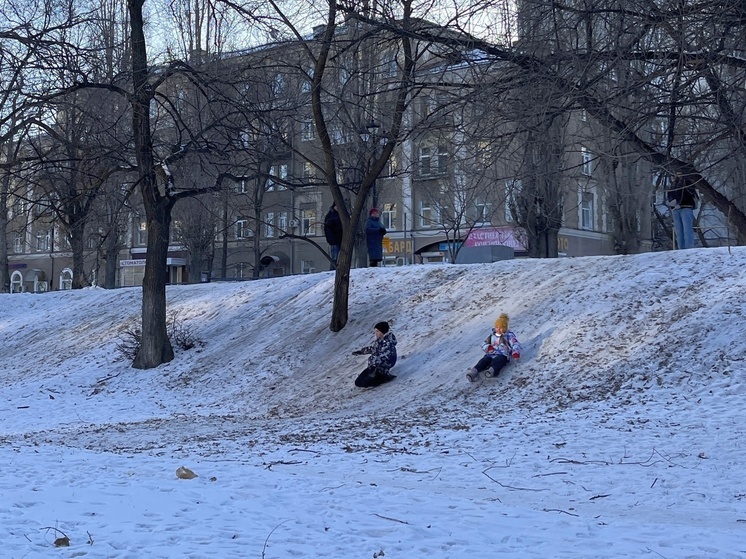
[(369, 133)]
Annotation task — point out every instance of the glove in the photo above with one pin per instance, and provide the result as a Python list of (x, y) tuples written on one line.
[(357, 352), (516, 355), (382, 230)]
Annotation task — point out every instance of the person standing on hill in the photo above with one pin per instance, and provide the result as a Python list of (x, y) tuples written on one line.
[(333, 234), (500, 347), (382, 357), (682, 199), (374, 233)]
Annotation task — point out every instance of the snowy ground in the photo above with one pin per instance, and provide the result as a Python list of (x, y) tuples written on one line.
[(619, 434)]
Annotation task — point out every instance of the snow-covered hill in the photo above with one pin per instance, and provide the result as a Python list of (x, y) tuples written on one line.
[(632, 372)]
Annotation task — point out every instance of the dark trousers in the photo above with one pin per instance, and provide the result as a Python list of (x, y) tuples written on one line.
[(497, 363), (374, 263), (373, 377)]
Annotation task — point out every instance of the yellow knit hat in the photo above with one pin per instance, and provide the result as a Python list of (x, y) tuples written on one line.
[(502, 322)]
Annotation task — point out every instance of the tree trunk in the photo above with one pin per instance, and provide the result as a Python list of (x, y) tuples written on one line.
[(155, 347), (111, 254), (77, 246), (4, 271), (342, 283)]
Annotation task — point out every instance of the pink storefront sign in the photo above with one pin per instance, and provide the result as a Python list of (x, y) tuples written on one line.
[(492, 236)]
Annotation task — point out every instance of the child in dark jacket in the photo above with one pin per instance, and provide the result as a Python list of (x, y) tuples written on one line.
[(499, 348), (382, 357)]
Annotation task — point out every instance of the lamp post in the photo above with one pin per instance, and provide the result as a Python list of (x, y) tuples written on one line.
[(369, 133)]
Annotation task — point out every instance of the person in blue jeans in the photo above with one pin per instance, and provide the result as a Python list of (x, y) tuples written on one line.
[(682, 199)]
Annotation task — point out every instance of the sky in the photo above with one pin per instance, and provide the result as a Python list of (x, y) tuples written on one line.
[(618, 434)]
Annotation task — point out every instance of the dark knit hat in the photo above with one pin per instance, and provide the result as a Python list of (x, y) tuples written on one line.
[(371, 213), (382, 327)]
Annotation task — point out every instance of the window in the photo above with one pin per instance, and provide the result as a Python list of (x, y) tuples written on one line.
[(180, 101), (389, 65), (283, 127), (42, 240), (425, 106), (142, 233), (18, 243), (338, 135), (307, 130), (392, 166), (309, 171), (269, 186), (241, 229), (305, 85), (269, 225), (245, 138), (66, 279), (242, 187), (282, 221), (512, 191), (307, 221), (483, 211), (388, 216), (279, 84), (307, 267), (175, 233), (242, 270), (429, 216), (586, 210), (16, 282), (485, 153), (19, 206), (424, 161), (433, 160), (587, 161), (278, 174)]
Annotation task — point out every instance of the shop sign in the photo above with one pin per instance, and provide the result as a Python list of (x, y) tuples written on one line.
[(494, 236), (397, 247)]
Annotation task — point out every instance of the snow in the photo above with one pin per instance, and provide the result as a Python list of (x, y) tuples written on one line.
[(619, 433)]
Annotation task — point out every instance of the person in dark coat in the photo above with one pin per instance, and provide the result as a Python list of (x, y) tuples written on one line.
[(682, 199), (333, 234), (374, 233), (382, 357)]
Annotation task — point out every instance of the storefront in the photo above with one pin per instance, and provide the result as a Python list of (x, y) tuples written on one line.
[(132, 272)]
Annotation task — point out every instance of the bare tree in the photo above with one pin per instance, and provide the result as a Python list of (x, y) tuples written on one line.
[(195, 222), (636, 69)]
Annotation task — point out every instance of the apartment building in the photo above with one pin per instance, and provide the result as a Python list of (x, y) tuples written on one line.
[(453, 183)]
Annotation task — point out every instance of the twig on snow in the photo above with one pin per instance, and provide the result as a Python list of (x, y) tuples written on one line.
[(264, 549), (509, 486), (284, 463), (653, 551), (389, 518), (560, 510)]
